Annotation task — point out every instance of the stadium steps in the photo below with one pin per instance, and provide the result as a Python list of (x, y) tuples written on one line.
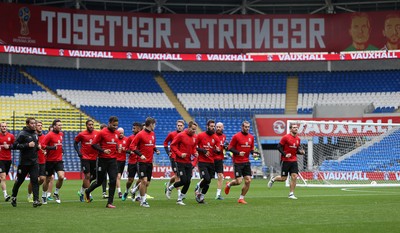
[(174, 100), (292, 91), (72, 119), (68, 113), (44, 110)]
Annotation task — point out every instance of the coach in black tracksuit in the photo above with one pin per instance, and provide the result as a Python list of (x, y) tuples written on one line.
[(28, 144)]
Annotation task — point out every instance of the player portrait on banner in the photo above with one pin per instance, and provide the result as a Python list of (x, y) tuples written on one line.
[(391, 32), (359, 31)]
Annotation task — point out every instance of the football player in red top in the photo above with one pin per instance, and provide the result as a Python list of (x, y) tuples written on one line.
[(132, 162), (87, 154), (6, 144), (121, 158), (184, 147), (41, 160), (180, 125), (207, 146), (219, 158), (289, 147), (52, 142), (106, 143), (144, 145), (241, 146)]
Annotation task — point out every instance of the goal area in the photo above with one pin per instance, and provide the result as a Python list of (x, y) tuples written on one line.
[(348, 154)]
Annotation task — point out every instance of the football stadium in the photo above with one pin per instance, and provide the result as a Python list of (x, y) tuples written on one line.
[(196, 116)]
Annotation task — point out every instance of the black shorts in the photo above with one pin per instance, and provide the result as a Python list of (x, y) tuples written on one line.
[(24, 170), (242, 169), (5, 166), (219, 166), (184, 170), (88, 166), (145, 170), (173, 164), (121, 166), (52, 167), (207, 170), (289, 168), (42, 169), (106, 166), (132, 170)]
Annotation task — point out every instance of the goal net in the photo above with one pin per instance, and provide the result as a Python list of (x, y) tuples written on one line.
[(348, 154)]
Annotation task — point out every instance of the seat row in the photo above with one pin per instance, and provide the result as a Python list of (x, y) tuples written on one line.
[(379, 99), (116, 99)]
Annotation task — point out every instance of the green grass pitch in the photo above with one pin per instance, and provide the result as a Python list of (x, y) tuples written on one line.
[(268, 210)]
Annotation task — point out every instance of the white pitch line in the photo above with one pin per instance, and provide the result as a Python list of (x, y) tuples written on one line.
[(367, 191), (283, 196)]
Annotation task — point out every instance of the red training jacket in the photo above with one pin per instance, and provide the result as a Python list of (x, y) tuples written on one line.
[(290, 145), (145, 142), (7, 139), (184, 143), (107, 140), (242, 142), (53, 139), (86, 139)]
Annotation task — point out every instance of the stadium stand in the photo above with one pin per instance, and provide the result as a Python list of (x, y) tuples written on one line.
[(229, 97), (130, 95), (21, 98), (375, 156), (135, 95), (378, 87)]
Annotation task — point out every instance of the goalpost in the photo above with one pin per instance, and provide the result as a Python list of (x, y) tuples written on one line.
[(348, 154)]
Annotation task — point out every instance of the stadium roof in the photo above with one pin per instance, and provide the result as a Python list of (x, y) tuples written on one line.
[(226, 7)]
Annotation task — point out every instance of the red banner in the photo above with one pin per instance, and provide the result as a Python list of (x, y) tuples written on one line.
[(159, 172), (276, 126), (76, 30), (272, 57), (166, 172), (352, 176)]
